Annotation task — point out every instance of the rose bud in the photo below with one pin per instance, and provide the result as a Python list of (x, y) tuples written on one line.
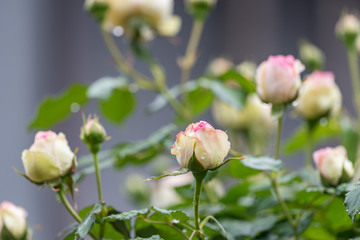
[(255, 113), (247, 69), (152, 15), (347, 29), (311, 55), (278, 79), (201, 147), (333, 165), (93, 134), (219, 66), (13, 223), (200, 9), (319, 96), (49, 158)]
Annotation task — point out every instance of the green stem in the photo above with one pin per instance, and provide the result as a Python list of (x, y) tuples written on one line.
[(278, 137), (283, 205), (142, 81), (98, 179), (173, 102), (68, 206), (355, 81), (190, 55), (199, 178), (71, 210), (309, 147)]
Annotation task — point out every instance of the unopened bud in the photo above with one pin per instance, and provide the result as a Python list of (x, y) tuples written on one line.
[(311, 55), (347, 29), (200, 9), (92, 133)]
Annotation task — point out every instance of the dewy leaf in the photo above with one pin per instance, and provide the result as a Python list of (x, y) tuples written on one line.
[(85, 226), (53, 110), (177, 172), (103, 88), (234, 97), (352, 201), (247, 84), (262, 163)]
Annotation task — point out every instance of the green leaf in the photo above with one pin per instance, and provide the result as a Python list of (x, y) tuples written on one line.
[(118, 106), (103, 88), (321, 133), (98, 10), (85, 226), (352, 201), (239, 170), (304, 222), (144, 150), (248, 85), (160, 102), (170, 215), (154, 237), (177, 172), (262, 163), (126, 215), (234, 97), (240, 228), (54, 109), (350, 138), (115, 99), (199, 100)]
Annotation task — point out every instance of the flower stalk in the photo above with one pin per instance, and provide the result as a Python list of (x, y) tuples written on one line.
[(199, 178), (188, 61)]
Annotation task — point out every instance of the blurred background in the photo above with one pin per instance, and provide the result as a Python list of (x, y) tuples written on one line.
[(47, 45)]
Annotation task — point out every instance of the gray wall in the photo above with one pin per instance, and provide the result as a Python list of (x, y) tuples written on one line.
[(46, 45)]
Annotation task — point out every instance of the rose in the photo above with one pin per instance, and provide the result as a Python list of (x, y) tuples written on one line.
[(278, 79), (318, 96), (49, 158), (13, 219), (155, 15), (333, 165), (200, 147)]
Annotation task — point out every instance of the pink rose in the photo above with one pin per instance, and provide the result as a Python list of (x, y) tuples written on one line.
[(14, 219), (333, 164), (209, 146), (49, 158), (318, 96), (278, 79)]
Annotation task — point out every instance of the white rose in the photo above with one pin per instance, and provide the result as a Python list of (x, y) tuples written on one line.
[(333, 164), (49, 158), (318, 96), (14, 219), (210, 146)]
